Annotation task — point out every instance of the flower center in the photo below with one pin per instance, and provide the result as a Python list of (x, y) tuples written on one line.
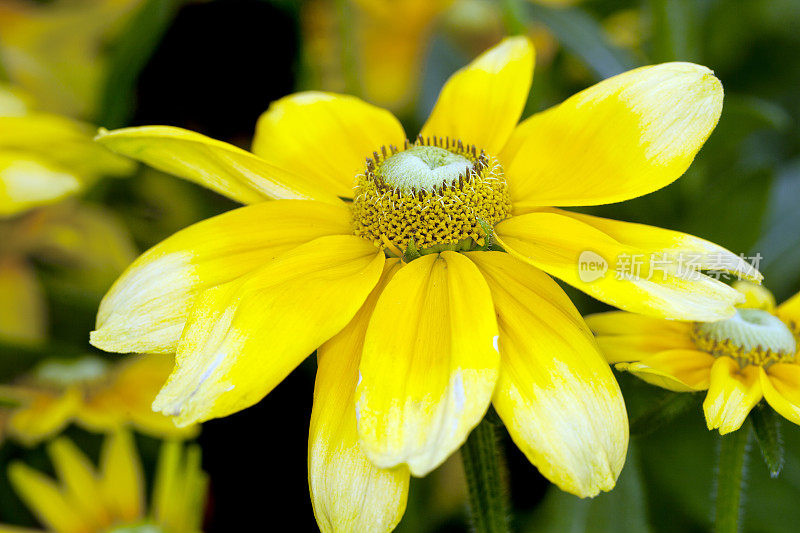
[(752, 337), (437, 194)]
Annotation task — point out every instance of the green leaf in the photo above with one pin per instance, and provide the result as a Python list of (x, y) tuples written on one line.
[(674, 27), (663, 412), (767, 427), (129, 55), (582, 35)]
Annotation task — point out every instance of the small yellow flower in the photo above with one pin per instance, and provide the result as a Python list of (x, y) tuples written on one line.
[(412, 352), (57, 51), (44, 159), (96, 395), (111, 499), (740, 360)]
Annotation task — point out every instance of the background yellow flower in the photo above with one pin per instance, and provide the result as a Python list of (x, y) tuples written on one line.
[(88, 391), (112, 498)]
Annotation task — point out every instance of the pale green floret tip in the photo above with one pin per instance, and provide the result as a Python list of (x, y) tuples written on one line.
[(84, 369), (752, 336), (423, 168)]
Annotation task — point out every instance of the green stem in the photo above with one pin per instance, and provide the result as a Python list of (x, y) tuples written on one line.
[(486, 480), (513, 17), (347, 43), (730, 479)]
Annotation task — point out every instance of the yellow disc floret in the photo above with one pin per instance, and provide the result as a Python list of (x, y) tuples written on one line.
[(431, 195), (752, 337)]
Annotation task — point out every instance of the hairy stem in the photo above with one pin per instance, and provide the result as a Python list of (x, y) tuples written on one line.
[(483, 467)]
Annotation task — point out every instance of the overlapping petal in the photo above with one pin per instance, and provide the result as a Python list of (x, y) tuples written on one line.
[(624, 323), (61, 142), (146, 309), (429, 364), (128, 397), (623, 348), (46, 415), (348, 492), (622, 138), (481, 103), (556, 243), (789, 312), (79, 481), (691, 251), (45, 499), (555, 393), (679, 370), (780, 384), (242, 338), (325, 137), (220, 166), (755, 296), (732, 393)]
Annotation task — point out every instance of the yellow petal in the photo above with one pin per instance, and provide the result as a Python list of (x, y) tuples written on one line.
[(23, 309), (325, 136), (732, 393), (128, 397), (623, 348), (559, 244), (481, 103), (755, 296), (146, 309), (685, 370), (220, 166), (429, 364), (624, 137), (122, 477), (179, 490), (659, 241), (781, 386), (789, 312), (43, 417), (244, 337), (624, 323), (46, 501), (61, 142), (81, 485), (348, 492), (26, 183), (556, 395), (13, 101)]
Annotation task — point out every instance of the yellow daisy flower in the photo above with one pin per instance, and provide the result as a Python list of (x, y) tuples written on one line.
[(96, 395), (111, 498), (44, 159), (412, 352), (740, 360), (56, 50)]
